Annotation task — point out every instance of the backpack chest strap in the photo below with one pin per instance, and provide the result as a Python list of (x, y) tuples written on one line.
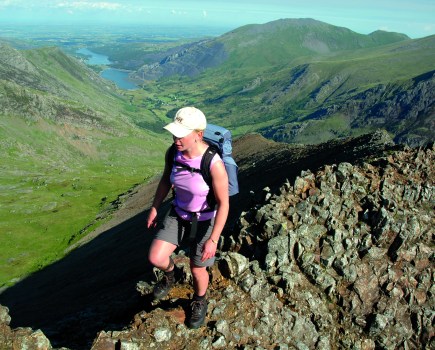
[(186, 167)]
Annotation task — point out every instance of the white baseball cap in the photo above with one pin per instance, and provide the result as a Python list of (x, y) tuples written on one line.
[(185, 121)]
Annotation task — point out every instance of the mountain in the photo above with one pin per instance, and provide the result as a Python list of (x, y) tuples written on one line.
[(70, 147), (73, 146), (328, 246), (56, 86), (262, 46), (305, 81)]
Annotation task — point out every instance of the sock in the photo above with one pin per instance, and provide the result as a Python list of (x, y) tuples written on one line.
[(170, 274), (198, 298)]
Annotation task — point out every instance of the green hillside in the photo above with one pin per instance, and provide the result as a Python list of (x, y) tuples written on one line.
[(280, 42), (289, 79), (69, 148), (306, 87)]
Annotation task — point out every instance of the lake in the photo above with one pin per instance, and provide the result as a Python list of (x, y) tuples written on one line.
[(118, 76)]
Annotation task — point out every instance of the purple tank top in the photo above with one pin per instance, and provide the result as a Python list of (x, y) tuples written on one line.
[(190, 188)]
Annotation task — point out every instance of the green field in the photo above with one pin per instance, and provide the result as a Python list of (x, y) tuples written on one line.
[(56, 185)]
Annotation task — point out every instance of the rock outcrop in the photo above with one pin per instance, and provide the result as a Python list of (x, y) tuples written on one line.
[(20, 338), (403, 109)]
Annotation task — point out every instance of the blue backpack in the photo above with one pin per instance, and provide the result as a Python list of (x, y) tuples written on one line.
[(219, 141), (220, 137)]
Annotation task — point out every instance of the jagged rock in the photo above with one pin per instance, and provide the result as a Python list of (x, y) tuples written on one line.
[(233, 264), (5, 319), (20, 338), (357, 235)]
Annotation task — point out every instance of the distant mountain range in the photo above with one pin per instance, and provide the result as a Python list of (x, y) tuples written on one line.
[(264, 46), (305, 81)]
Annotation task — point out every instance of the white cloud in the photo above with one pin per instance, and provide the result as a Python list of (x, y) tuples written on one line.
[(178, 12), (86, 5), (10, 3), (204, 13), (66, 4)]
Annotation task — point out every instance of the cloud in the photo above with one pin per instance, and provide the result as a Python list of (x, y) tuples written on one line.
[(88, 5), (10, 3), (178, 12), (66, 4), (204, 13)]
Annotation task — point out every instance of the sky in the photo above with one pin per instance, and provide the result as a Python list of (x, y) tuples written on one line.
[(415, 18)]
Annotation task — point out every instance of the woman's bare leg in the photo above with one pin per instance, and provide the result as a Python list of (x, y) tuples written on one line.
[(200, 280), (160, 255)]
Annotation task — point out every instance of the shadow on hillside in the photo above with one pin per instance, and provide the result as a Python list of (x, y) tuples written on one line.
[(91, 289)]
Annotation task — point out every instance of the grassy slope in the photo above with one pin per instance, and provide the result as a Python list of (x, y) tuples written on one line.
[(59, 173), (251, 90), (295, 88), (283, 41)]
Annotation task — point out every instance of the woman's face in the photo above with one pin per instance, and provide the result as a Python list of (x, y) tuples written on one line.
[(186, 142)]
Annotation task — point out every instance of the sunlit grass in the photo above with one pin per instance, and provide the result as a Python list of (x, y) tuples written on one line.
[(56, 180)]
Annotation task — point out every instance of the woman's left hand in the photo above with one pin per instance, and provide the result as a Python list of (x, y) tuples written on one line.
[(208, 250)]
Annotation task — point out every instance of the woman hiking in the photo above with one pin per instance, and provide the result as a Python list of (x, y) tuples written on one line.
[(194, 220)]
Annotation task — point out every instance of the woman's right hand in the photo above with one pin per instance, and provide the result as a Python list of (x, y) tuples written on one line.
[(152, 218)]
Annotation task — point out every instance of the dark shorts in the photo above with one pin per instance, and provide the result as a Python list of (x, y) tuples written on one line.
[(177, 231)]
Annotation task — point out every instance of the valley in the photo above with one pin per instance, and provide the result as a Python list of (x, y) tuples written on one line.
[(74, 145)]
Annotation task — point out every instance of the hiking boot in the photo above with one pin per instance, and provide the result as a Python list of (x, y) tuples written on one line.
[(197, 316), (162, 288)]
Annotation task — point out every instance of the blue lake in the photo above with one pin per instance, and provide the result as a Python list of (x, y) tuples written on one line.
[(94, 58), (118, 76)]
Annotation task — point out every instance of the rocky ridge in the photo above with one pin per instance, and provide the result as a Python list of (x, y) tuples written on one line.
[(339, 258), (404, 110), (189, 60)]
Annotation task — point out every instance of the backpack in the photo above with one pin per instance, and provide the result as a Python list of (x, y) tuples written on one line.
[(219, 141), (220, 137)]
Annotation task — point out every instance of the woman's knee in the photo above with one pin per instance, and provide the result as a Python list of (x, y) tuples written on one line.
[(160, 253), (155, 258), (198, 270)]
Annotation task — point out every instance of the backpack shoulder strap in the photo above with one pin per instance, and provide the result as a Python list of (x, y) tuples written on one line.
[(206, 174), (206, 162), (187, 167), (170, 155)]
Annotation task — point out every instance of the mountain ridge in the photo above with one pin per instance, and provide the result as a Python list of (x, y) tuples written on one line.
[(271, 78), (311, 35), (93, 290)]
